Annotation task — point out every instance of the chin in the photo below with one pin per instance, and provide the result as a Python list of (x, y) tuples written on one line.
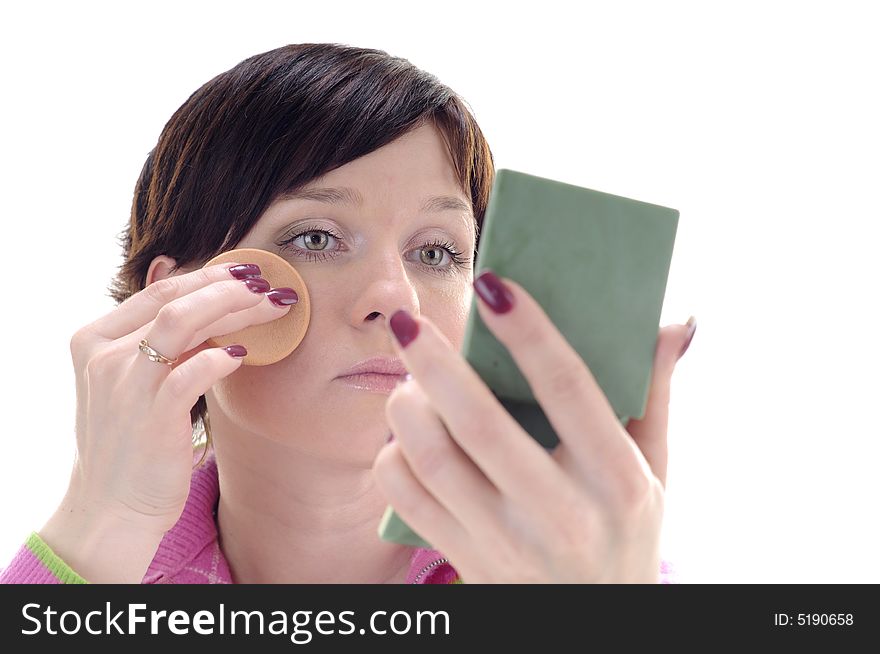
[(356, 415)]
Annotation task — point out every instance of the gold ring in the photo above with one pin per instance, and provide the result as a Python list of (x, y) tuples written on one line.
[(144, 347)]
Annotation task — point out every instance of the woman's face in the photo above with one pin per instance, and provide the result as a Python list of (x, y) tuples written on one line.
[(383, 247)]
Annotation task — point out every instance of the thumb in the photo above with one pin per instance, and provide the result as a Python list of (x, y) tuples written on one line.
[(650, 432), (672, 342)]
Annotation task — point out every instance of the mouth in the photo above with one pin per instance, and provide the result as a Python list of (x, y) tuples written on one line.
[(377, 374), (372, 381)]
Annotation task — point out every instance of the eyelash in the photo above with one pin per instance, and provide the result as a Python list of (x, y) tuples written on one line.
[(319, 255)]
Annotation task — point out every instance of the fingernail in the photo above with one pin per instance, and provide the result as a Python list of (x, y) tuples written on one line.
[(236, 351), (390, 437), (257, 284), (404, 327), (493, 292), (692, 327), (245, 270), (283, 297)]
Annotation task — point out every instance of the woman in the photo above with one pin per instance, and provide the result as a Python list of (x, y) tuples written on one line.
[(371, 177)]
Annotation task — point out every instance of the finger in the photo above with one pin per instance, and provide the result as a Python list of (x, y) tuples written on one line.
[(229, 323), (441, 465), (511, 459), (144, 306), (178, 321), (416, 506), (650, 431), (181, 389), (561, 382)]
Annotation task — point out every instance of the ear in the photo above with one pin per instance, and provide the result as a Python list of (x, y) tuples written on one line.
[(162, 267)]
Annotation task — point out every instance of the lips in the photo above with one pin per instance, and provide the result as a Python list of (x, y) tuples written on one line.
[(377, 374), (377, 366), (372, 382)]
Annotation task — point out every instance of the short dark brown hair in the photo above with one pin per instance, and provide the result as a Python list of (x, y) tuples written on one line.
[(268, 126)]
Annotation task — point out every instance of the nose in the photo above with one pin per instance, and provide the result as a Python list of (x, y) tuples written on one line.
[(386, 287)]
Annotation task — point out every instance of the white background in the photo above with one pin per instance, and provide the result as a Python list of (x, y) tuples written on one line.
[(758, 121)]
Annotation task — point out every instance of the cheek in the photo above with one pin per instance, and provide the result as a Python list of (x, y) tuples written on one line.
[(257, 393), (251, 395), (448, 309)]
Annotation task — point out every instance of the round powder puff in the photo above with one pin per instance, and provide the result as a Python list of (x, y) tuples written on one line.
[(271, 341)]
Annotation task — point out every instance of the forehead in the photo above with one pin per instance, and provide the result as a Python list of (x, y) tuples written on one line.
[(352, 197), (415, 167)]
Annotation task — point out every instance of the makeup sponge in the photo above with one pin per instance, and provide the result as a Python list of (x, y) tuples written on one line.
[(271, 341)]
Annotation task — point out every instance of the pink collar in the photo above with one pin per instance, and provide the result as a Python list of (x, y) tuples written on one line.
[(190, 551)]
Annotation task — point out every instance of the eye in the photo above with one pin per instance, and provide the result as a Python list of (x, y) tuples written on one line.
[(432, 256), (317, 243), (442, 257), (316, 240), (439, 256)]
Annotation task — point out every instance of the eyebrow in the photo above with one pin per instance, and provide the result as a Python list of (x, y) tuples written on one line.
[(350, 196)]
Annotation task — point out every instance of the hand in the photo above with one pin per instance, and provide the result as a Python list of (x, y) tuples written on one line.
[(465, 476), (133, 425)]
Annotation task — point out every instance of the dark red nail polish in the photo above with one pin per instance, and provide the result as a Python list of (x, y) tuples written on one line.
[(404, 327), (283, 296), (692, 328), (257, 284), (236, 351), (493, 292), (245, 270)]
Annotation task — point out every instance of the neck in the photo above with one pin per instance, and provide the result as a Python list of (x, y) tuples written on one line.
[(286, 517)]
